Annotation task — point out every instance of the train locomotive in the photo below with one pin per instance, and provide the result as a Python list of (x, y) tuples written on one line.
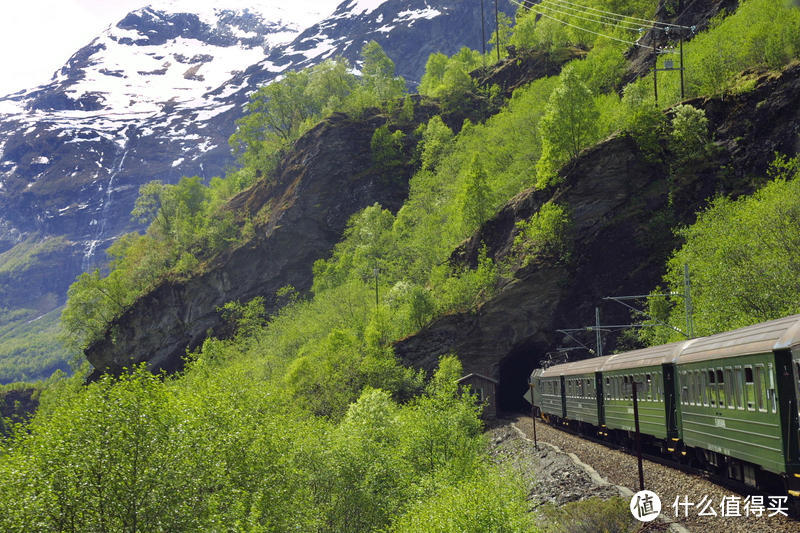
[(726, 403)]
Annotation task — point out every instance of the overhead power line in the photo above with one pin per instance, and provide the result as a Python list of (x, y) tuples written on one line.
[(533, 8), (621, 16), (592, 17)]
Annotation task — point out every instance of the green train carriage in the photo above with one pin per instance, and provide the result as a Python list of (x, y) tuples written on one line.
[(730, 399), (738, 395), (547, 394), (653, 369)]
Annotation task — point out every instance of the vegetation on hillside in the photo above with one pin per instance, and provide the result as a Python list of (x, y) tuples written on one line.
[(305, 420), (743, 254)]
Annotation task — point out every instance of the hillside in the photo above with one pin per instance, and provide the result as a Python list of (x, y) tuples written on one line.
[(281, 348), (156, 96)]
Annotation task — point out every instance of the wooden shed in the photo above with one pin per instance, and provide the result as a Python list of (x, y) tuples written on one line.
[(486, 389)]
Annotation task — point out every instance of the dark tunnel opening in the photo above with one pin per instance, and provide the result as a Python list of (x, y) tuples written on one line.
[(515, 369)]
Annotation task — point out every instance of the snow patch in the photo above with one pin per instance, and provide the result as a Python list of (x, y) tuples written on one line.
[(408, 15)]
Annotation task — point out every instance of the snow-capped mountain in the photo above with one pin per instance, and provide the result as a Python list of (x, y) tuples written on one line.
[(156, 96)]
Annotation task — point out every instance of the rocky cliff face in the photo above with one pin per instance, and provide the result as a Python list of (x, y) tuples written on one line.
[(328, 176), (622, 235)]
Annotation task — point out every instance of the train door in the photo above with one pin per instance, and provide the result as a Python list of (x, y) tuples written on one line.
[(789, 399), (598, 389)]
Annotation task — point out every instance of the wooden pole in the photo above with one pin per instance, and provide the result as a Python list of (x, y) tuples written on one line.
[(483, 28), (638, 437), (497, 28), (655, 66), (682, 89)]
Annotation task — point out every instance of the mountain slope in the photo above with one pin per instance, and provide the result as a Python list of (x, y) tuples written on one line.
[(622, 235), (156, 97)]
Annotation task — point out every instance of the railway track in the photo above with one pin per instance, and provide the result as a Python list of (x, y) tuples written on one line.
[(669, 480)]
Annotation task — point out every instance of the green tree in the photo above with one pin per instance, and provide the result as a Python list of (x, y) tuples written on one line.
[(743, 257), (568, 126), (545, 233), (689, 140), (274, 117), (387, 148), (476, 197), (436, 140)]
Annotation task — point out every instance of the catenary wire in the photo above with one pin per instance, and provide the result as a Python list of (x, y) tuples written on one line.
[(592, 18), (533, 8), (648, 21)]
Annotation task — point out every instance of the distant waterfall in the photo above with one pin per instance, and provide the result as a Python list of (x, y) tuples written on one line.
[(101, 224)]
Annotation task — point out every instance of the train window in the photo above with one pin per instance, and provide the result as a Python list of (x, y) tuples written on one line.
[(712, 389), (749, 389), (721, 391), (685, 383), (761, 390), (729, 392), (771, 400), (690, 383), (698, 390), (703, 377), (739, 386), (657, 395)]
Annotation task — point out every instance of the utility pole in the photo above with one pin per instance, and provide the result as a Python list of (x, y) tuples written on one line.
[(483, 32), (598, 340), (655, 65), (682, 87), (687, 301), (497, 28)]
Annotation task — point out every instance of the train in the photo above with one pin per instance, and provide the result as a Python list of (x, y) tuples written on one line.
[(725, 403)]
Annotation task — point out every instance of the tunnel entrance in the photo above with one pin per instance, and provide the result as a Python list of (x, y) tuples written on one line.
[(515, 369)]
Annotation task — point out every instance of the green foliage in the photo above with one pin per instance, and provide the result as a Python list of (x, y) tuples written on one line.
[(436, 141), (559, 26), (460, 290), (223, 447), (568, 126), (644, 121), (387, 148), (479, 504), (30, 349), (591, 516), (503, 38), (22, 257), (545, 233), (689, 140), (246, 318), (474, 199), (743, 257), (449, 80), (759, 34)]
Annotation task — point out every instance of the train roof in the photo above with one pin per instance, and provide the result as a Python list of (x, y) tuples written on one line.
[(584, 366), (780, 334), (765, 337), (653, 356)]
